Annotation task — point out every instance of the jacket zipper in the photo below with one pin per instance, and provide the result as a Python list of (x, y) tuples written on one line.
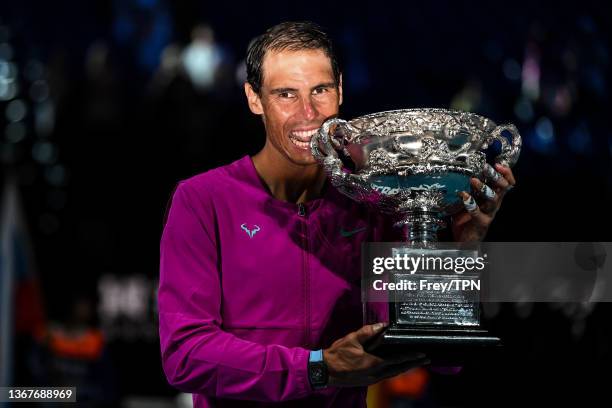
[(306, 273)]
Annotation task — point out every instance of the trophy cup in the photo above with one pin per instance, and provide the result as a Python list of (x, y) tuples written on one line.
[(410, 164)]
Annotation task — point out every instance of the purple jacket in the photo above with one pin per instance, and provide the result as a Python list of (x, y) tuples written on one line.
[(250, 284)]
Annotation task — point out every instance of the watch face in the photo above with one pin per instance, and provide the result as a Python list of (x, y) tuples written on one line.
[(318, 373)]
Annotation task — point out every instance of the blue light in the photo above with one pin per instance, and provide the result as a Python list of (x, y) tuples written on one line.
[(544, 129), (542, 138)]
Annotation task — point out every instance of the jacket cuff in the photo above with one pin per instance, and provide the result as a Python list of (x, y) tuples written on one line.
[(303, 380)]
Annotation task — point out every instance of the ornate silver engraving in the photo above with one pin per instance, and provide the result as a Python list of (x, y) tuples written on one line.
[(391, 151)]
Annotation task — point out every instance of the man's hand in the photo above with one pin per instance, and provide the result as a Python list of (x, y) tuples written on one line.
[(473, 223), (350, 365)]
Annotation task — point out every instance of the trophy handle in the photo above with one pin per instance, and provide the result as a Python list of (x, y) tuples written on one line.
[(324, 148), (333, 143), (510, 150)]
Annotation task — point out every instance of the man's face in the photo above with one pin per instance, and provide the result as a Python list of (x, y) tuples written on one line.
[(297, 95)]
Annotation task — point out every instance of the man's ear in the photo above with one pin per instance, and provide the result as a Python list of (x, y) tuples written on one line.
[(340, 90), (253, 99)]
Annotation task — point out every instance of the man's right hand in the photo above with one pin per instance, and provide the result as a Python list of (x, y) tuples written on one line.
[(350, 365)]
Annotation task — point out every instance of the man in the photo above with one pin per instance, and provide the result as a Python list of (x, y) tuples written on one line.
[(259, 294)]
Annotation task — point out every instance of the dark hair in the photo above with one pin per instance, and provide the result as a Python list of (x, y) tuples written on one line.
[(292, 36)]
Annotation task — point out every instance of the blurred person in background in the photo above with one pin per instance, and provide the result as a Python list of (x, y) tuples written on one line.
[(259, 295), (73, 352), (201, 59)]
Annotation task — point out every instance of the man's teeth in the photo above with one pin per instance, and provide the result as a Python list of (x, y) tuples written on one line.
[(301, 145), (304, 135), (302, 138)]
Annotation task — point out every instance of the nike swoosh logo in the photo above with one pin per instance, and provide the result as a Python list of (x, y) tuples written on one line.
[(347, 234)]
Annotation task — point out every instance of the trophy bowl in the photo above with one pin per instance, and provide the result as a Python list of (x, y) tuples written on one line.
[(411, 164)]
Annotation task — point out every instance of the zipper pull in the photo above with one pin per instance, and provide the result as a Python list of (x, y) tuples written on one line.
[(301, 210)]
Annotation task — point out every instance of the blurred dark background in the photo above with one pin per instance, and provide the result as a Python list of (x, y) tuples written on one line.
[(107, 104)]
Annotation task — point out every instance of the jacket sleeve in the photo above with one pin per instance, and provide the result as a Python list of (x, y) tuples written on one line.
[(197, 355)]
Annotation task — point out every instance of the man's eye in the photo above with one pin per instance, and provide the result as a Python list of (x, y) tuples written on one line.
[(286, 95), (318, 91)]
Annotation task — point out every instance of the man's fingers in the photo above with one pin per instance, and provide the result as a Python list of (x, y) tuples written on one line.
[(497, 180), (489, 198), (470, 205), (501, 178), (507, 173), (368, 331), (472, 208), (483, 190), (490, 173)]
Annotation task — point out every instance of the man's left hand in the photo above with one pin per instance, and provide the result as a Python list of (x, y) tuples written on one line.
[(481, 206)]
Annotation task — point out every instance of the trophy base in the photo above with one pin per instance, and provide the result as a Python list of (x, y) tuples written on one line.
[(442, 346)]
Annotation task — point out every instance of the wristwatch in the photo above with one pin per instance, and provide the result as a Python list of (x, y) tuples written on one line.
[(317, 370)]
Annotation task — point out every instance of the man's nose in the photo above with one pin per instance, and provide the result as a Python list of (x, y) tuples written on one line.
[(309, 110)]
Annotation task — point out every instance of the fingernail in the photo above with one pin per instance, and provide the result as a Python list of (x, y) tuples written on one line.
[(470, 204), (487, 192), (378, 327), (490, 173)]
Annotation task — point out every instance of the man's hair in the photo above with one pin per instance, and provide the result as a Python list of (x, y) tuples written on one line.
[(291, 36)]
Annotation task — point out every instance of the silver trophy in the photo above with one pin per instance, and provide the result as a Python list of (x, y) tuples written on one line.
[(411, 164)]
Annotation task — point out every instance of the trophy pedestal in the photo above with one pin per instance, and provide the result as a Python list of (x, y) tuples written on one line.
[(444, 326), (442, 346)]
